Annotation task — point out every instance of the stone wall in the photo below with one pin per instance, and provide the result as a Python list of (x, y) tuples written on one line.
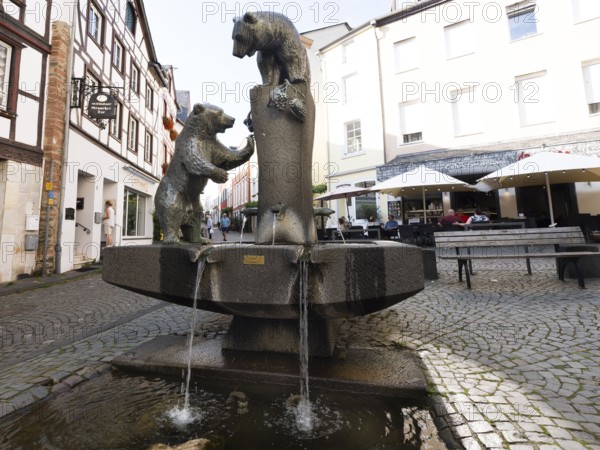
[(54, 138)]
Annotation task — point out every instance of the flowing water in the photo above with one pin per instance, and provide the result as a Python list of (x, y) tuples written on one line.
[(242, 229), (182, 416), (304, 418), (274, 227), (125, 412)]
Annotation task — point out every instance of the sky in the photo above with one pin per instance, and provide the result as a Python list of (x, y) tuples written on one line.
[(195, 38)]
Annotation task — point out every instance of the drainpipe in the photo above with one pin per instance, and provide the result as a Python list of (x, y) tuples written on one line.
[(381, 98), (65, 155)]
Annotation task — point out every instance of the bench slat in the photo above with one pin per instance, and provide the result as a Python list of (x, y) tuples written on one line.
[(519, 240), (523, 255), (496, 238)]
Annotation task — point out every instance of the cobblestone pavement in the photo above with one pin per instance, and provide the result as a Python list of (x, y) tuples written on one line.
[(513, 363)]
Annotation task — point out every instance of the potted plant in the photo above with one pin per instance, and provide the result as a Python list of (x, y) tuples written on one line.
[(168, 122), (173, 134), (164, 166)]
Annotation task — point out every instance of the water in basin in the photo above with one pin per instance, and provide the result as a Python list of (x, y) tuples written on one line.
[(120, 411)]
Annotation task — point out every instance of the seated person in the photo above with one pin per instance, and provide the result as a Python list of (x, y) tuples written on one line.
[(461, 215), (478, 217), (331, 226), (449, 219), (391, 227), (343, 227), (370, 224)]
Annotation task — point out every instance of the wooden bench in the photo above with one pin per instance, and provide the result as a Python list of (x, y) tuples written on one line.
[(525, 243)]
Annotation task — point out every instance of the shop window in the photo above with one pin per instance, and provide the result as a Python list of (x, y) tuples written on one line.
[(134, 213)]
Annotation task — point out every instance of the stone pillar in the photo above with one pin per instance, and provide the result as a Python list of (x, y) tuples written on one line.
[(54, 139), (284, 144)]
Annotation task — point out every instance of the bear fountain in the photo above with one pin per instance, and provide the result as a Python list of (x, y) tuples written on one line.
[(261, 284)]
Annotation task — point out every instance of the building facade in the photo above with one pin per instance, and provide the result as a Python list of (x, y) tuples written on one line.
[(24, 53), (122, 158), (467, 88), (353, 119)]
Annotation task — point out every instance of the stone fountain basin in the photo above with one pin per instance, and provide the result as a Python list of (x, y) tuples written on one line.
[(263, 281)]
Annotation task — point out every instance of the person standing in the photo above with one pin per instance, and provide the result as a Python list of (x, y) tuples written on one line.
[(108, 222), (225, 222), (209, 226)]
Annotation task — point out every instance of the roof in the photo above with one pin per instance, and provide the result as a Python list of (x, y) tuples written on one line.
[(145, 27)]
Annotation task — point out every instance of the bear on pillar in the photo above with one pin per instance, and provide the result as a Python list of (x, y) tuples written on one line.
[(280, 55)]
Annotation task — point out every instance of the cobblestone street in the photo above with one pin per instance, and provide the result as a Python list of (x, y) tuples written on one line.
[(513, 363)]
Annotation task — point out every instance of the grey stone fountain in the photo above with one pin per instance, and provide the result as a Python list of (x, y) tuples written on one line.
[(259, 283)]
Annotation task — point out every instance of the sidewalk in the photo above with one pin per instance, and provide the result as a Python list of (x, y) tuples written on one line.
[(512, 364)]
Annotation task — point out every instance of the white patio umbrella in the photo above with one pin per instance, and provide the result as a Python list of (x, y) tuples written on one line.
[(344, 191), (545, 168), (421, 179)]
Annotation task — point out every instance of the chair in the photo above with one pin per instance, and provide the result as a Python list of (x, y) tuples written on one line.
[(374, 232), (424, 233), (450, 227), (406, 233)]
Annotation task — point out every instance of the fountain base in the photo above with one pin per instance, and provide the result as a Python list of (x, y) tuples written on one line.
[(393, 373), (281, 336)]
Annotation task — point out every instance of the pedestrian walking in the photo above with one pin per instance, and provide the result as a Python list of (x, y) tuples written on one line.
[(225, 222)]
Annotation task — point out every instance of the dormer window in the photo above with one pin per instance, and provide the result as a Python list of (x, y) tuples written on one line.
[(130, 17)]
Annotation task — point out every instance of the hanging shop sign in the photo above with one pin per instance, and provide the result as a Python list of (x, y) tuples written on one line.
[(102, 106)]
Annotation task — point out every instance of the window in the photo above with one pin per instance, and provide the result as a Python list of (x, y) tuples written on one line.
[(115, 124), (118, 56), (586, 10), (533, 97), (148, 147), (366, 205), (132, 134), (406, 55), (459, 39), (95, 23), (92, 86), (522, 19), (135, 79), (353, 137), (5, 59), (348, 52), (130, 17), (411, 122), (134, 213), (466, 113), (351, 89), (149, 96), (591, 80)]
